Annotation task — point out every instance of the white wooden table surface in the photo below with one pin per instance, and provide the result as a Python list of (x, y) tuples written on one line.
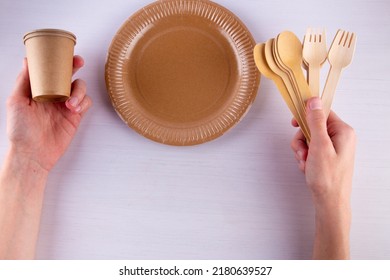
[(117, 195)]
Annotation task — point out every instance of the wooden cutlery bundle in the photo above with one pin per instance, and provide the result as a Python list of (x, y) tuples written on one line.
[(281, 59)]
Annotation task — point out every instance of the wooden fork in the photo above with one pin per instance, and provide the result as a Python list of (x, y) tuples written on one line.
[(340, 56), (314, 55)]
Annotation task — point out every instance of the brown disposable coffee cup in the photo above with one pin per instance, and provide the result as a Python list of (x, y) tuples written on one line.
[(50, 63)]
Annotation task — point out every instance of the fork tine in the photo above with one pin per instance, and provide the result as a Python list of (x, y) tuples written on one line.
[(352, 42), (323, 35), (339, 37), (320, 33), (307, 35), (343, 37), (340, 55), (346, 39), (313, 35)]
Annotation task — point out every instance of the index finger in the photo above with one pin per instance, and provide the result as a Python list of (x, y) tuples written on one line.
[(299, 141), (78, 62)]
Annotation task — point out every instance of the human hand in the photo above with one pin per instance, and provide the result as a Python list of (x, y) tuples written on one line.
[(41, 132), (328, 163)]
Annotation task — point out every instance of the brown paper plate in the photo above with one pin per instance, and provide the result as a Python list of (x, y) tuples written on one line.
[(182, 72)]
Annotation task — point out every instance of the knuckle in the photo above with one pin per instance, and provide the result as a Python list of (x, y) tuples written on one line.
[(79, 87), (292, 145), (86, 103), (349, 134), (83, 83)]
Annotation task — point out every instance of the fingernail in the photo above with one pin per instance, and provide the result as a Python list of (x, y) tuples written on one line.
[(300, 154), (315, 104), (73, 101), (78, 109)]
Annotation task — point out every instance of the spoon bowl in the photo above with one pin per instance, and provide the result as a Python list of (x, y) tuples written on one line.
[(262, 65), (289, 51)]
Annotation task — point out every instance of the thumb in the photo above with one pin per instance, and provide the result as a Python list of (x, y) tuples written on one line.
[(22, 86), (316, 120)]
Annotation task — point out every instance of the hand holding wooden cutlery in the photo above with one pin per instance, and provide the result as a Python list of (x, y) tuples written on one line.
[(281, 59)]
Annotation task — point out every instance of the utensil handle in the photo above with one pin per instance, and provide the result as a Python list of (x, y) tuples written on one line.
[(330, 88), (303, 87), (290, 104), (313, 74)]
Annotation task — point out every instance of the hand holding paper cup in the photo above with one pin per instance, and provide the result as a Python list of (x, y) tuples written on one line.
[(50, 62)]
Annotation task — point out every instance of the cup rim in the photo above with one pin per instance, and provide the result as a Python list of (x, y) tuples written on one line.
[(49, 32)]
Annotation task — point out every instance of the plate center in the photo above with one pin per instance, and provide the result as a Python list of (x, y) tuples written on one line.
[(183, 72)]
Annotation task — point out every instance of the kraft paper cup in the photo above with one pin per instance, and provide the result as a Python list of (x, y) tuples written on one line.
[(50, 63)]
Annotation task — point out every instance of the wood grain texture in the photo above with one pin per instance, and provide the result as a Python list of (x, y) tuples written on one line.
[(117, 195)]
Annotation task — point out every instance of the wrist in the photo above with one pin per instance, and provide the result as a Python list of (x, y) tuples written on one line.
[(27, 161), (23, 173), (333, 224), (332, 208), (329, 203), (334, 214), (22, 185)]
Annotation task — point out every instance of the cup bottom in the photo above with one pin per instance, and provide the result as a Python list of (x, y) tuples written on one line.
[(51, 98)]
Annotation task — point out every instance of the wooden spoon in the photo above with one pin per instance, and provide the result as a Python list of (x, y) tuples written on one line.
[(262, 65), (301, 118), (291, 77), (289, 50)]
